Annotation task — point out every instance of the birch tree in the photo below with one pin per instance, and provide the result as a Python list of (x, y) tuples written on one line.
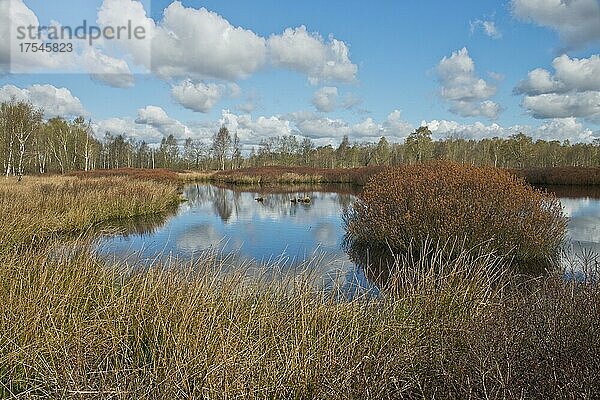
[(19, 121), (221, 144)]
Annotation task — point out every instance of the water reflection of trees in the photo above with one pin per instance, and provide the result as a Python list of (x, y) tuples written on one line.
[(376, 264), (231, 201), (292, 188), (197, 195), (222, 203), (345, 200)]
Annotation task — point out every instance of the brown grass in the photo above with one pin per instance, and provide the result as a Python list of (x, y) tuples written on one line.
[(159, 174), (581, 176), (540, 341), (358, 176), (294, 175), (72, 326), (195, 176), (38, 209)]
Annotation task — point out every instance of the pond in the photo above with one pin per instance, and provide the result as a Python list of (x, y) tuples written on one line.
[(272, 231), (277, 230)]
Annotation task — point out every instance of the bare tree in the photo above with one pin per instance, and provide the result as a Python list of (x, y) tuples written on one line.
[(236, 156), (221, 144)]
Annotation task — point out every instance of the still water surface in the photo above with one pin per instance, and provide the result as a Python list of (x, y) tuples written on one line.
[(278, 230)]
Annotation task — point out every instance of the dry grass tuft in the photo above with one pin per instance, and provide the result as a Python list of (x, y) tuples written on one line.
[(73, 326), (204, 330)]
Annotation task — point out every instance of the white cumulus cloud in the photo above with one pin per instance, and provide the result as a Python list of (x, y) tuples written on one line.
[(572, 91), (127, 127), (576, 21), (556, 129), (325, 99), (251, 130), (157, 118), (84, 58), (310, 54), (187, 42), (331, 130), (200, 97), (467, 94), (54, 101)]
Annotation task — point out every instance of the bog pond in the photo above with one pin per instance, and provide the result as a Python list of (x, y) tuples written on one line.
[(277, 230)]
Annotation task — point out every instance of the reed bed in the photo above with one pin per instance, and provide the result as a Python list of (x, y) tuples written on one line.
[(76, 327), (38, 209), (582, 176), (295, 175), (158, 174), (573, 176)]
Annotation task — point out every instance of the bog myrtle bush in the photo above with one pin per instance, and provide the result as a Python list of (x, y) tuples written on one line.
[(445, 201)]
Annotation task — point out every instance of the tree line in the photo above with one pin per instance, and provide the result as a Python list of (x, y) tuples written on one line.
[(30, 144)]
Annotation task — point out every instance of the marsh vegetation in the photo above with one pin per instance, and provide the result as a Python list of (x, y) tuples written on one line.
[(76, 326)]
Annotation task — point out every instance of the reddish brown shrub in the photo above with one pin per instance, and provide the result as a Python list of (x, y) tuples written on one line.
[(483, 206), (583, 176)]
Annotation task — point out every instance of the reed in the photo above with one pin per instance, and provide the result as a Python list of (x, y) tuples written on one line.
[(158, 174), (75, 326), (38, 209), (294, 175), (205, 328), (582, 176)]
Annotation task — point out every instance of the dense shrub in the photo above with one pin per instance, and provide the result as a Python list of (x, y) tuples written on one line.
[(481, 206)]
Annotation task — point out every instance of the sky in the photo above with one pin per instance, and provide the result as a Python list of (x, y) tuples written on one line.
[(322, 70)]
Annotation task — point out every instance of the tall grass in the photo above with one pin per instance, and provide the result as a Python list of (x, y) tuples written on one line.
[(158, 174), (583, 176), (74, 326), (38, 209), (295, 175)]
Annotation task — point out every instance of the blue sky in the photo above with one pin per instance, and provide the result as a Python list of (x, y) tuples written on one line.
[(374, 69)]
